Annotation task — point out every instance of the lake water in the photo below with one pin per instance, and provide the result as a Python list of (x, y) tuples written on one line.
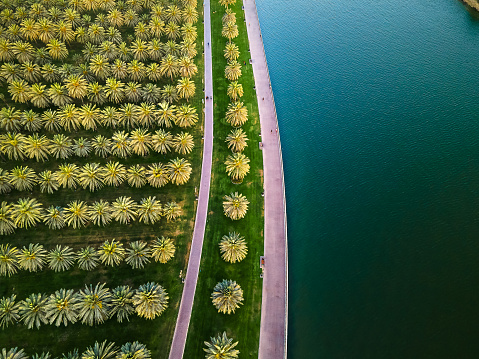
[(378, 103)]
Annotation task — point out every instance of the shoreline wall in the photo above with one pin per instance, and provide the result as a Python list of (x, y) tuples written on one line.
[(472, 3)]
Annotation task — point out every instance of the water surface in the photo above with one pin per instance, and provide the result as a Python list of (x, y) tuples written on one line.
[(379, 116)]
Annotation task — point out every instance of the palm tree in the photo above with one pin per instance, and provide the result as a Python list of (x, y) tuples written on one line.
[(233, 71), (229, 16), (31, 72), (128, 115), (150, 300), (171, 48), (109, 116), (115, 173), (101, 145), (11, 72), (61, 146), (139, 49), (137, 255), (186, 88), (179, 170), (13, 353), (190, 15), (227, 3), (67, 175), (115, 17), (236, 114), (46, 30), (136, 176), (49, 72), (77, 86), (6, 50), (133, 91), (172, 31), (235, 90), (173, 13), (37, 147), (65, 31), (87, 258), (140, 142), (57, 49), (183, 143), (69, 117), (188, 48), (91, 176), (237, 166), (5, 185), (168, 93), (33, 311), (119, 69), (111, 254), (6, 223), (235, 206), (88, 115), (32, 258), (227, 296), (76, 214), (8, 260), (146, 114), (27, 212), (81, 147), (94, 304), (171, 211), (233, 248), (122, 303), (166, 114), (104, 351), (48, 182), (157, 175), (31, 121), (162, 249), (61, 307), (114, 90), (154, 71), (54, 217), (20, 91), (8, 311), (96, 33), (162, 141), (136, 70), (121, 144), (59, 94), (151, 93), (236, 140), (149, 210), (221, 347), (100, 66), (23, 51), (10, 119), (100, 213), (188, 32), (61, 258), (124, 209), (12, 144), (155, 51), (23, 178), (96, 93), (134, 350), (187, 68), (230, 31), (186, 116), (169, 66)]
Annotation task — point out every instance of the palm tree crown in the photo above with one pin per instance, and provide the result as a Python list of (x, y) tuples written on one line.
[(227, 296)]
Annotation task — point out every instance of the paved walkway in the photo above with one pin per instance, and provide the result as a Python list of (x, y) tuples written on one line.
[(274, 309), (186, 305)]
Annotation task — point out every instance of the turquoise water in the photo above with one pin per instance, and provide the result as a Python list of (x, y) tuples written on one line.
[(378, 103)]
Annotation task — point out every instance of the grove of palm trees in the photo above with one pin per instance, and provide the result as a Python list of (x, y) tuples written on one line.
[(100, 153)]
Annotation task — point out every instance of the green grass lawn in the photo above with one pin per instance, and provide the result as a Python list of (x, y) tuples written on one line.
[(244, 325), (156, 334)]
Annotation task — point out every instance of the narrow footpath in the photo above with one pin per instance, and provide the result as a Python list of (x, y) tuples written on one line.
[(186, 305), (274, 307)]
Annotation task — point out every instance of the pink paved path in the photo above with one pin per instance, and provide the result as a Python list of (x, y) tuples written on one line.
[(274, 308), (186, 305)]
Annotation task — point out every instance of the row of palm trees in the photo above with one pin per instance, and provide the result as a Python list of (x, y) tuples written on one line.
[(102, 350), (35, 257), (92, 305), (140, 142), (93, 177), (76, 87), (90, 117), (28, 212)]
